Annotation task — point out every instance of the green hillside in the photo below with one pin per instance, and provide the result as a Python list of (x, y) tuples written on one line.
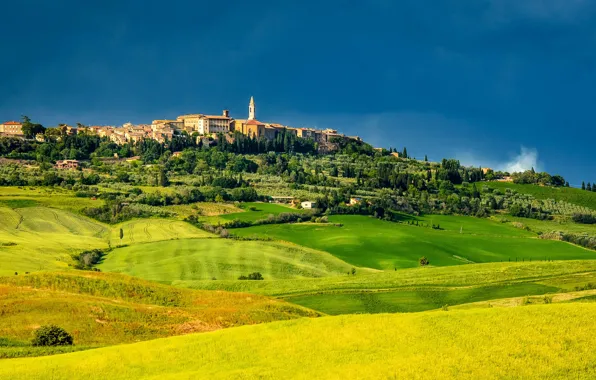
[(106, 309), (148, 230), (566, 194), (41, 238), (369, 242), (548, 341), (258, 210), (420, 289), (222, 259)]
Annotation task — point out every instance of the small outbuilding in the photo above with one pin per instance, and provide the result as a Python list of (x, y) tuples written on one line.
[(67, 164), (308, 205), (355, 200)]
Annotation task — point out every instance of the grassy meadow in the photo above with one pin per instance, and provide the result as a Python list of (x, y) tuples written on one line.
[(567, 194), (138, 231), (558, 224), (419, 289), (55, 197), (105, 309), (549, 341), (41, 238), (221, 259), (368, 242), (252, 211)]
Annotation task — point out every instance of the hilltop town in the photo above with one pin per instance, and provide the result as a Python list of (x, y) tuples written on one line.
[(198, 125)]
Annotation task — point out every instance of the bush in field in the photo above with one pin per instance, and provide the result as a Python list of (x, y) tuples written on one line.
[(423, 261), (252, 276), (51, 335), (87, 259), (584, 218)]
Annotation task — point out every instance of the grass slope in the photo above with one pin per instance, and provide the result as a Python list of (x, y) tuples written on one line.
[(260, 211), (148, 230), (223, 259), (105, 309), (567, 194), (419, 289), (41, 238), (369, 242), (34, 238), (20, 197), (549, 341)]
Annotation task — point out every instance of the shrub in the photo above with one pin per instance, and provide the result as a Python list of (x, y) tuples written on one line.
[(423, 261), (252, 276), (51, 335), (584, 218), (87, 259)]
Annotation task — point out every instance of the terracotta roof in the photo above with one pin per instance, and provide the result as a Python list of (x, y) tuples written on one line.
[(190, 115), (216, 117), (12, 123), (254, 122)]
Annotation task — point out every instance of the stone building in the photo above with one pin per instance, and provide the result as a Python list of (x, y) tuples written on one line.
[(209, 124), (11, 128)]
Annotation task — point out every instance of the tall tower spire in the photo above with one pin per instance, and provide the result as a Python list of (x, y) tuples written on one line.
[(251, 109)]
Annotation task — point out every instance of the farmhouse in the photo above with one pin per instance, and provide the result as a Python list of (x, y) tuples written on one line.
[(67, 164), (280, 199), (308, 205), (355, 200), (11, 128)]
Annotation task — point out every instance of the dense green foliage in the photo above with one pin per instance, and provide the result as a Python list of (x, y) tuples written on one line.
[(88, 259), (51, 335)]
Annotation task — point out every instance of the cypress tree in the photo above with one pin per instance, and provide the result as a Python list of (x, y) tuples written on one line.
[(589, 186), (583, 185)]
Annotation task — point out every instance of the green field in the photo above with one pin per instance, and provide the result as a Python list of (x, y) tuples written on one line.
[(34, 238), (563, 225), (419, 289), (407, 301), (548, 341), (369, 242), (567, 194), (106, 309), (261, 211), (41, 238), (148, 230), (222, 259), (19, 197)]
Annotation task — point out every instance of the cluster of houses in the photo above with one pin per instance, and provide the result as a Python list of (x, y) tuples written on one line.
[(200, 124)]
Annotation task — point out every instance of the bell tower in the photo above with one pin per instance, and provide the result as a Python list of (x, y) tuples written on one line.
[(251, 109)]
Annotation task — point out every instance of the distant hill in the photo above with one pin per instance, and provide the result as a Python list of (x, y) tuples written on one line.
[(566, 194)]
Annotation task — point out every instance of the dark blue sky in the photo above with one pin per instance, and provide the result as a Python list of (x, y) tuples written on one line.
[(476, 80)]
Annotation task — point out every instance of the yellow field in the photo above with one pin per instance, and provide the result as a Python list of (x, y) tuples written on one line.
[(101, 309), (148, 230), (548, 341)]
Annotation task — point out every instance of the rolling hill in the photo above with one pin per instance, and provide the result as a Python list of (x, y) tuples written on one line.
[(548, 341), (221, 259), (373, 243), (105, 309), (420, 289)]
